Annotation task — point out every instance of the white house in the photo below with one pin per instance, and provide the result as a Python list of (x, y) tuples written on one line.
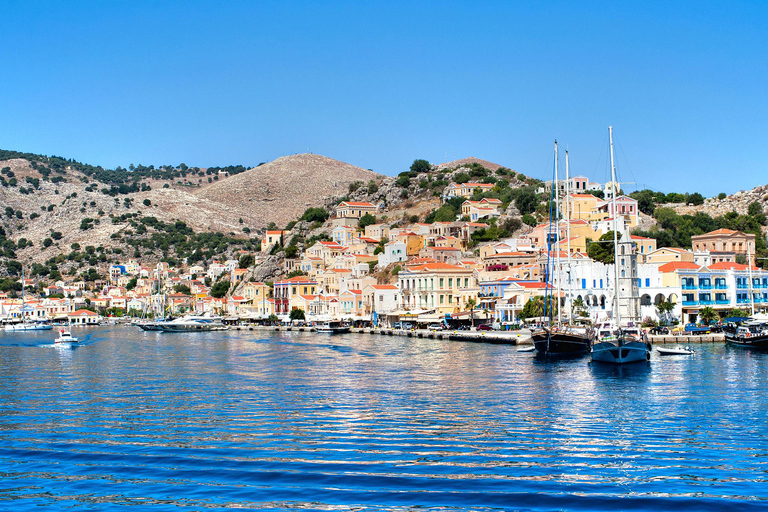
[(393, 252)]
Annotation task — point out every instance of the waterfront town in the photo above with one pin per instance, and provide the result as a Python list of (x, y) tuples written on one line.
[(375, 274)]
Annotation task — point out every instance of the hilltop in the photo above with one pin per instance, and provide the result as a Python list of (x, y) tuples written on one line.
[(284, 188)]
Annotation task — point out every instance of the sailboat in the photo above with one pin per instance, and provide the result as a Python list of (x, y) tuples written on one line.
[(560, 340), (157, 325), (622, 342), (26, 324)]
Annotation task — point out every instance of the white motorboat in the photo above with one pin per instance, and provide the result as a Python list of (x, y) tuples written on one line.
[(674, 351), (193, 324), (65, 337), (332, 328)]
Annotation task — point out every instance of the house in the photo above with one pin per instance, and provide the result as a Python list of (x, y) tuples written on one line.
[(343, 235), (668, 254), (285, 291), (273, 237), (466, 189), (483, 209), (394, 252), (723, 244), (377, 231), (381, 298), (355, 210), (83, 317), (413, 242), (351, 304), (444, 254), (437, 286), (626, 207), (644, 246)]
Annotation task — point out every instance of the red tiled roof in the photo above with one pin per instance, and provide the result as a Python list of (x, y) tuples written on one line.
[(678, 265)]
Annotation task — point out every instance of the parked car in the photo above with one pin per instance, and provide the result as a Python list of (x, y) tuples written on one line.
[(407, 326), (659, 330), (435, 327), (397, 325), (484, 327)]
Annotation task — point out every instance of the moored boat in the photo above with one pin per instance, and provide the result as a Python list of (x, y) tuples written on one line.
[(332, 328), (193, 324), (751, 335)]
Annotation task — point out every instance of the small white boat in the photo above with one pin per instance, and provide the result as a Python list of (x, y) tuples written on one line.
[(65, 337), (333, 328), (531, 348), (675, 351)]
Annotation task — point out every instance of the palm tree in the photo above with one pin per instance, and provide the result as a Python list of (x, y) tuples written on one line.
[(665, 308), (471, 303), (708, 315)]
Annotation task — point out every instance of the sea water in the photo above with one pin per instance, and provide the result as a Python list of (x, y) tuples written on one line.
[(262, 420)]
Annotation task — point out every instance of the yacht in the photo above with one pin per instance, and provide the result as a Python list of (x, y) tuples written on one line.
[(622, 342), (193, 324)]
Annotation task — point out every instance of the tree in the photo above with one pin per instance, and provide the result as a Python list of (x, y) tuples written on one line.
[(471, 304), (526, 201), (535, 307), (296, 314), (419, 166), (366, 220), (182, 288), (245, 261), (603, 249), (315, 215), (708, 315), (220, 289), (665, 309), (131, 284)]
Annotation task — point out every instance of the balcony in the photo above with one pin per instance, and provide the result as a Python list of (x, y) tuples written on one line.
[(722, 301), (690, 303), (705, 287), (742, 301), (721, 286), (742, 286), (706, 302), (689, 287)]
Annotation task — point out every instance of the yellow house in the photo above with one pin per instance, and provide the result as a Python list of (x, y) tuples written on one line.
[(271, 238), (583, 205), (413, 242), (352, 209), (466, 189), (440, 286), (669, 254)]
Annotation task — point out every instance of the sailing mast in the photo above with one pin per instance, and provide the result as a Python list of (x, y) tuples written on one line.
[(749, 269), (569, 293), (617, 314), (557, 237)]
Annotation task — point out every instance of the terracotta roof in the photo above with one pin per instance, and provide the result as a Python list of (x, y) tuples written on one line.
[(730, 265), (678, 265), (384, 287), (83, 312), (353, 203)]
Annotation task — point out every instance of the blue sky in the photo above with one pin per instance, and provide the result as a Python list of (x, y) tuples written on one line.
[(379, 84)]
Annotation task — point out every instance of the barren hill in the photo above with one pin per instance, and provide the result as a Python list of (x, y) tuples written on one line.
[(467, 161), (282, 189)]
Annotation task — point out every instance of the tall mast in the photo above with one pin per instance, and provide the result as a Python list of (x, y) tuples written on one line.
[(557, 236), (749, 269), (617, 315), (569, 296)]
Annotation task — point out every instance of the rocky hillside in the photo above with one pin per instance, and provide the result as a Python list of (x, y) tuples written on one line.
[(281, 190), (738, 202)]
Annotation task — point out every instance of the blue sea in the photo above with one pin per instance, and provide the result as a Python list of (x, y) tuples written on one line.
[(277, 421)]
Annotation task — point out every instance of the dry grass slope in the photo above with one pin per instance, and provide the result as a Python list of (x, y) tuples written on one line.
[(281, 190)]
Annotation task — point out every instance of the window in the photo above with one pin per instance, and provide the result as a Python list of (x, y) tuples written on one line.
[(647, 282), (450, 282), (441, 283), (583, 284)]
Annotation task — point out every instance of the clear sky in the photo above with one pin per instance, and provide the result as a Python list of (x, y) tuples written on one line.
[(378, 84)]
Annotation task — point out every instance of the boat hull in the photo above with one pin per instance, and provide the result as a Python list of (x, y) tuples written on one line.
[(333, 330), (561, 344), (755, 342), (150, 327), (621, 353), (28, 327), (193, 328)]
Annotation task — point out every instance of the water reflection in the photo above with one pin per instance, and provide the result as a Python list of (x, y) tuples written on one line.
[(250, 419)]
